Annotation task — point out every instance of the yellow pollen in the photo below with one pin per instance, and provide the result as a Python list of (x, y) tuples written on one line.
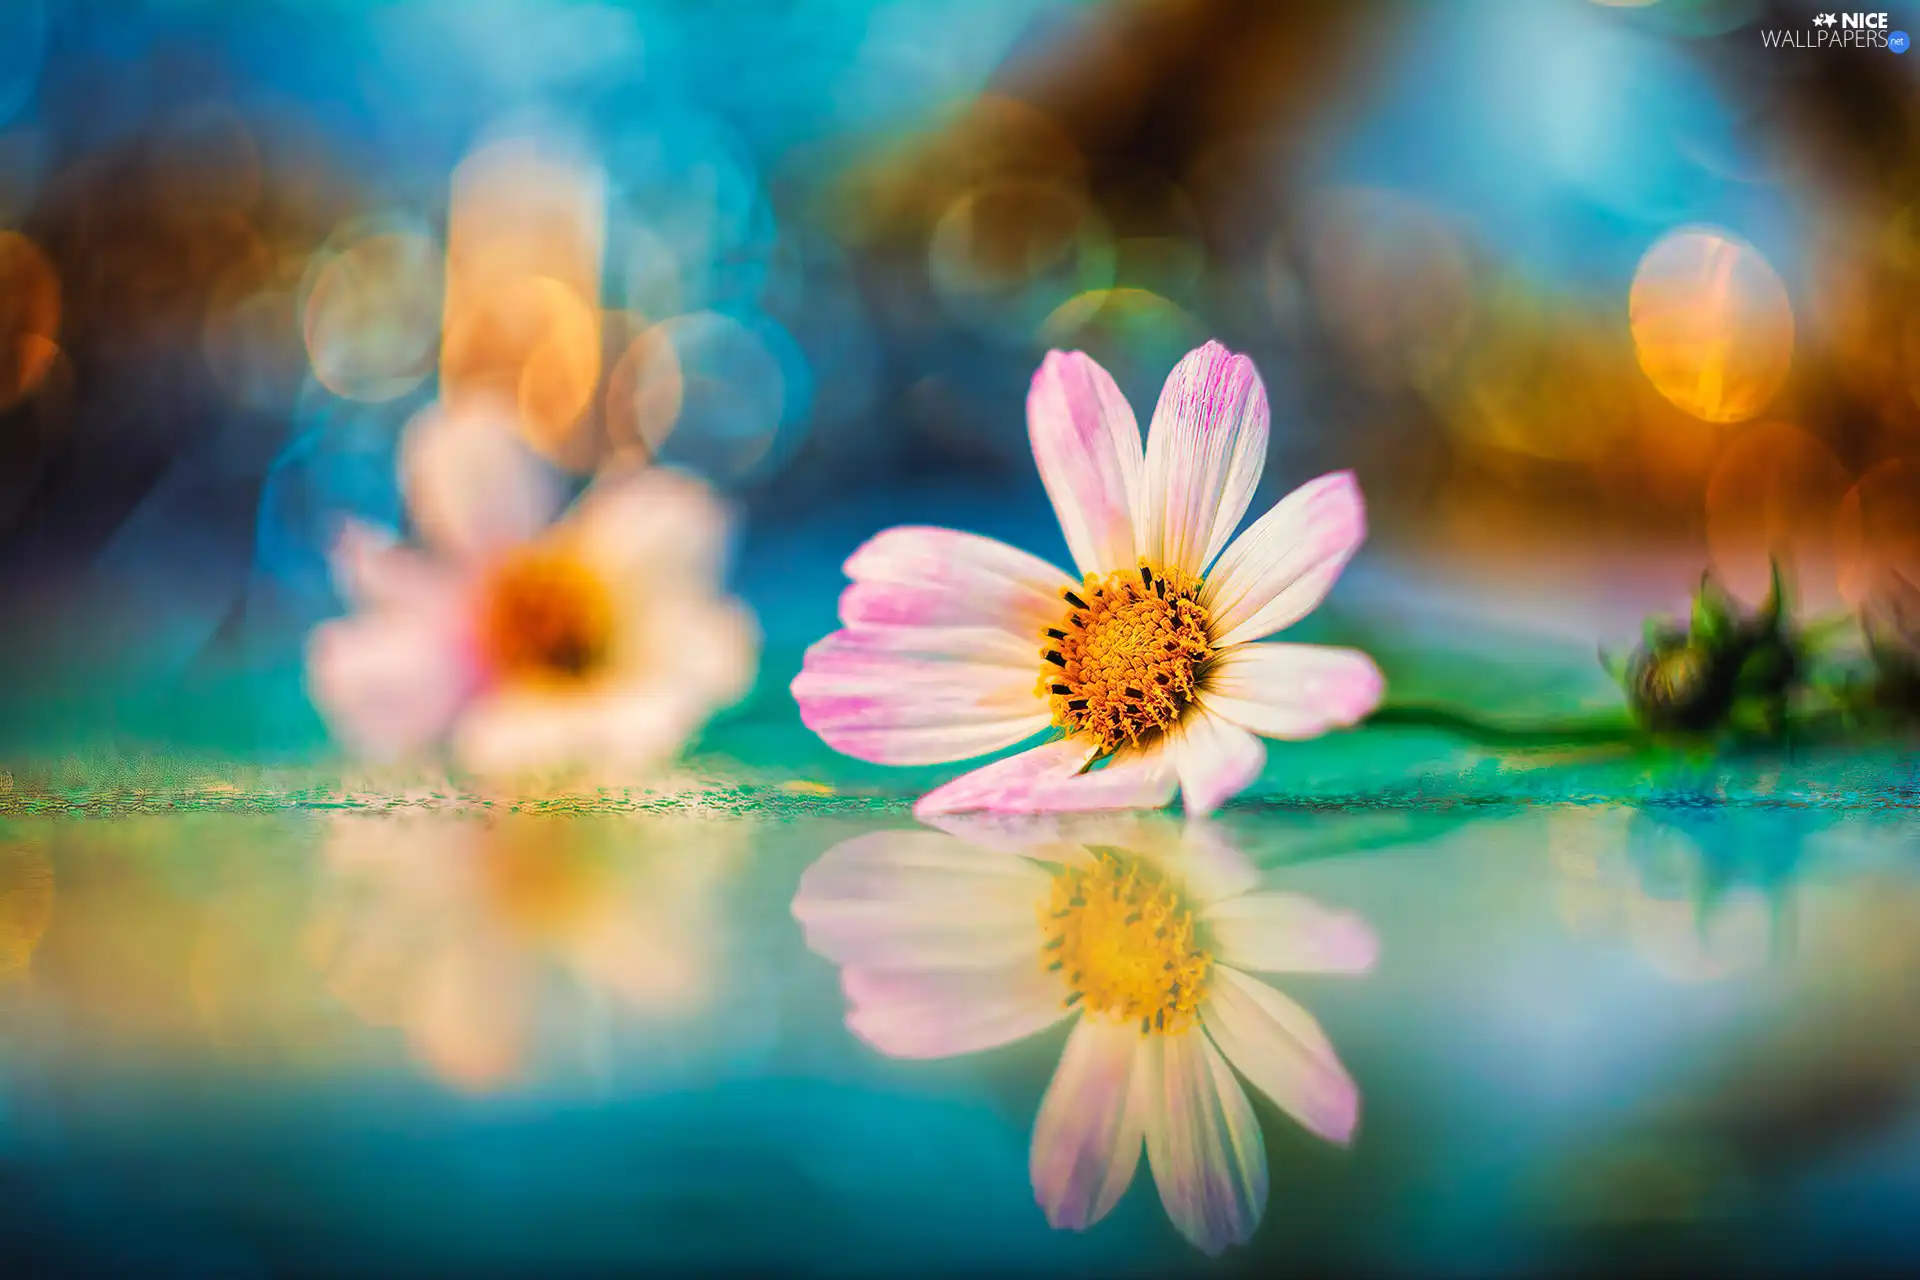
[(545, 616), (1126, 941), (1125, 662)]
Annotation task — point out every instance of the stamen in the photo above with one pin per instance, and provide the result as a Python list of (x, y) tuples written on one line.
[(1129, 655), (545, 616)]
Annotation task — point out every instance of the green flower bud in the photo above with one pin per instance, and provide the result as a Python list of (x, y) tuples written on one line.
[(1722, 670), (1890, 618)]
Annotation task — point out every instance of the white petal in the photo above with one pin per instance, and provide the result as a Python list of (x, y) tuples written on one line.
[(1287, 933), (650, 527), (1282, 567), (1217, 760), (937, 1013), (371, 569), (1205, 452), (1088, 1135), (1292, 690), (1212, 867), (1279, 1047), (897, 900), (472, 487), (619, 735), (1087, 447), (1203, 1142)]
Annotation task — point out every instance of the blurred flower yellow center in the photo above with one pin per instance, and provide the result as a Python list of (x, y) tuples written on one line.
[(1125, 662), (537, 879), (1127, 942), (545, 616)]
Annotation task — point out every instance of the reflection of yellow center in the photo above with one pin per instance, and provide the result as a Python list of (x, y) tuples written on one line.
[(545, 616), (1125, 939), (537, 879), (1125, 663)]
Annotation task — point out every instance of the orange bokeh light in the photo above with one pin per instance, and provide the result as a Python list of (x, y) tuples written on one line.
[(1777, 490), (29, 317), (526, 234), (1711, 324)]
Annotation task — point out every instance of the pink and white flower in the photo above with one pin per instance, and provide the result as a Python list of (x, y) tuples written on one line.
[(1143, 934), (955, 645), (524, 638)]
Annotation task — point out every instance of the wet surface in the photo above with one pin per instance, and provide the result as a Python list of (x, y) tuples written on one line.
[(1596, 1033)]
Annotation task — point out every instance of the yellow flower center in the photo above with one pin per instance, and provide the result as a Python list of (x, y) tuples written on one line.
[(1125, 663), (545, 616), (1127, 942)]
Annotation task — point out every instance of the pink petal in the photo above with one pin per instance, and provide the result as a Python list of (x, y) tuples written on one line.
[(1088, 1135), (388, 683), (1292, 690), (1288, 933), (1205, 452), (472, 487), (1217, 760), (370, 568), (1282, 567), (901, 900), (1203, 1142), (1282, 1051), (872, 696), (1048, 778), (937, 1013), (916, 575), (1087, 446)]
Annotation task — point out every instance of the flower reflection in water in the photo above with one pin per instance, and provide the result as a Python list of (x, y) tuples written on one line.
[(26, 905), (1140, 930), (469, 935), (1699, 892)]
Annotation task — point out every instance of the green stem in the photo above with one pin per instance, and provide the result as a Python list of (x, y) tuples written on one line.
[(1605, 728)]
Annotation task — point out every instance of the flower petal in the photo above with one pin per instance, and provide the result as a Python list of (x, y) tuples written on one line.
[(616, 734), (1088, 1135), (1217, 760), (896, 900), (918, 575), (1211, 866), (653, 524), (1282, 567), (937, 1013), (1205, 452), (1203, 1142), (1279, 1047), (1087, 446), (371, 569), (1288, 933), (870, 695), (473, 489), (388, 683), (1048, 778), (1292, 690)]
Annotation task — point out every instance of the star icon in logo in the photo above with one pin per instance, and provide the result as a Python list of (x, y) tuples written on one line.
[(1825, 20)]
